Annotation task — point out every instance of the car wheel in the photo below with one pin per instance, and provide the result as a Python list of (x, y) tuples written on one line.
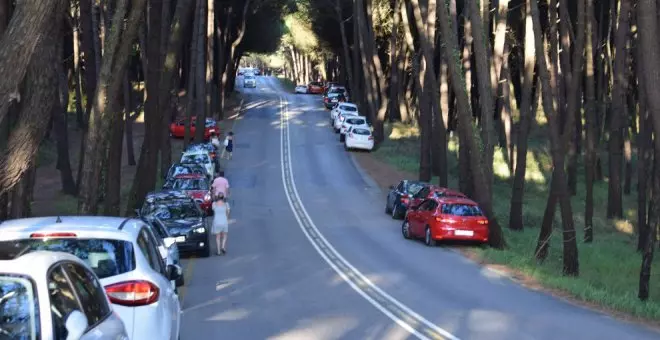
[(405, 230), (342, 138), (428, 240), (206, 252), (387, 206)]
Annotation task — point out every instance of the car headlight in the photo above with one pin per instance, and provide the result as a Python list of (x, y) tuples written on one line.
[(199, 229)]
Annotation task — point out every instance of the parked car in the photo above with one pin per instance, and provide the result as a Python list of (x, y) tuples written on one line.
[(330, 85), (449, 218), (352, 121), (301, 89), (433, 191), (208, 147), (187, 169), (342, 107), (195, 186), (339, 120), (400, 195), (358, 137), (178, 128), (182, 218), (167, 246), (123, 253), (250, 81), (315, 87), (53, 295), (202, 158), (332, 98)]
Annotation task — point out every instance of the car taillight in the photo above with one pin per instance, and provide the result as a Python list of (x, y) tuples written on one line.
[(371, 137), (482, 221), (52, 235), (445, 220), (404, 199), (133, 293)]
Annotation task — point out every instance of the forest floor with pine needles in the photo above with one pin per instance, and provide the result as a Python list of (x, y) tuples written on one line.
[(609, 267)]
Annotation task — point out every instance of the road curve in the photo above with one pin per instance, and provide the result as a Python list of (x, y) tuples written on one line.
[(311, 255)]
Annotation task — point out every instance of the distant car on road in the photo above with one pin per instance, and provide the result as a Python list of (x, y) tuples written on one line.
[(333, 98), (448, 218), (315, 87), (202, 158), (339, 119), (433, 191), (249, 81), (53, 295), (123, 253), (342, 107), (182, 218), (185, 169), (352, 121), (301, 89), (358, 137), (400, 195), (203, 146), (178, 128)]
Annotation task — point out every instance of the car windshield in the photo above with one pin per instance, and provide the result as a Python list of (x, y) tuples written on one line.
[(189, 184), (105, 256), (439, 194), (195, 158), (414, 188), (461, 210), (19, 316), (337, 90), (173, 210), (249, 77), (210, 123), (348, 108), (362, 132), (184, 170), (355, 121)]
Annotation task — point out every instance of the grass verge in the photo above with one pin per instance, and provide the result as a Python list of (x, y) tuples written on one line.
[(287, 83), (609, 267)]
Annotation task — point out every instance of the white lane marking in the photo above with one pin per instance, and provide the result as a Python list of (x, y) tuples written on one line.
[(388, 305)]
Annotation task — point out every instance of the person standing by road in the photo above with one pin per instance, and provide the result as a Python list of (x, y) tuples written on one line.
[(220, 226), (229, 145), (215, 141), (220, 185)]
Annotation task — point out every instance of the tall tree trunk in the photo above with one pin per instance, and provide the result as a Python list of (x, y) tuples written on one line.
[(450, 48), (61, 125), (40, 93), (192, 75), (344, 43), (614, 197), (526, 117), (591, 123), (549, 89), (77, 73), (117, 50), (200, 79)]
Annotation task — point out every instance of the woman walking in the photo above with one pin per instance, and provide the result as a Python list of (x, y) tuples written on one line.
[(229, 146), (220, 223)]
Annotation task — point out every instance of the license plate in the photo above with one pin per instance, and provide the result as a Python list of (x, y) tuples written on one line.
[(463, 232), (180, 239), (334, 100)]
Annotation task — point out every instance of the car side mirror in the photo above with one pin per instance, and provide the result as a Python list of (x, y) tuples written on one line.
[(76, 325), (169, 241), (174, 272)]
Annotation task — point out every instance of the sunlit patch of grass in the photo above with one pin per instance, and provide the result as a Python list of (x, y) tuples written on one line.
[(609, 267), (400, 130)]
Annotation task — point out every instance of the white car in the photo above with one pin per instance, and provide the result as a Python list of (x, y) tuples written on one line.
[(249, 81), (200, 157), (341, 108), (301, 89), (53, 295), (339, 120), (359, 137), (123, 253), (351, 121)]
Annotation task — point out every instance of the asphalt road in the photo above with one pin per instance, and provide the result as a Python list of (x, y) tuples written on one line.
[(311, 254)]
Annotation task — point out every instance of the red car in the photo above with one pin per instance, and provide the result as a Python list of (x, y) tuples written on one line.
[(178, 128), (449, 218), (433, 191), (196, 186), (315, 88)]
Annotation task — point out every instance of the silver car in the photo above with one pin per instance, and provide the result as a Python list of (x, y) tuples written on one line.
[(53, 295), (249, 81)]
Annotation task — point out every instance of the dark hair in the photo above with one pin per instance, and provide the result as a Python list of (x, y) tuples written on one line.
[(231, 133), (221, 173), (219, 197)]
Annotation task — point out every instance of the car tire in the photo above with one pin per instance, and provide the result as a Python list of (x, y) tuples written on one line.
[(405, 230), (342, 137), (206, 252), (387, 208), (428, 240)]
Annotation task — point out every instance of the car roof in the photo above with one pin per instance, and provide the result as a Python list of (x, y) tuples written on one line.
[(120, 228), (166, 194), (36, 263), (189, 165), (190, 176), (456, 200), (348, 104), (196, 152)]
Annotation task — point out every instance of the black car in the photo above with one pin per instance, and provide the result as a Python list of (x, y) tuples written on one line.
[(182, 218), (399, 197), (186, 169)]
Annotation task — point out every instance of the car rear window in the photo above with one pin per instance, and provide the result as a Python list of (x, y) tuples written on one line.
[(18, 308), (106, 257), (362, 132), (355, 121), (348, 108), (439, 194), (198, 158), (189, 184), (461, 210)]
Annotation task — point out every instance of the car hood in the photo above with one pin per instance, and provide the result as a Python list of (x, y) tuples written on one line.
[(181, 226)]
